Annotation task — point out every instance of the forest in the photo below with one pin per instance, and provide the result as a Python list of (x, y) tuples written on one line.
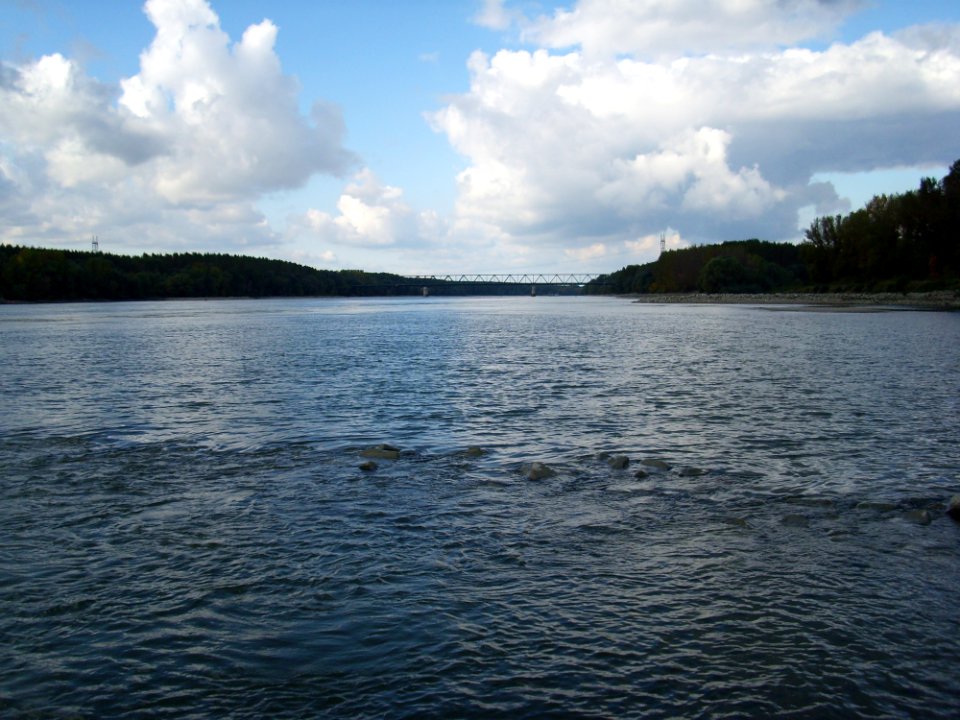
[(897, 243), (36, 274)]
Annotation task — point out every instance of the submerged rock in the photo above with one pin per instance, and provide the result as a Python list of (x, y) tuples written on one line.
[(368, 466), (736, 521), (878, 506), (655, 464), (382, 452), (793, 520), (474, 451), (641, 474), (618, 462), (921, 517), (537, 471), (953, 508), (692, 472)]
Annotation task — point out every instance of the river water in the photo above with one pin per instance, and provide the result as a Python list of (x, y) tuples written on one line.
[(186, 531)]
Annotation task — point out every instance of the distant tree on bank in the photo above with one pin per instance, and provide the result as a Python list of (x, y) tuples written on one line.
[(35, 274), (895, 243)]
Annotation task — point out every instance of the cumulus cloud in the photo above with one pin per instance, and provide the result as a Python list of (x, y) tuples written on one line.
[(234, 114), (370, 214), (617, 127), (654, 27), (50, 107), (179, 152)]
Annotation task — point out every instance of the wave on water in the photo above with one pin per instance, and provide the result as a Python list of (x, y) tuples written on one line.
[(735, 512), (285, 581)]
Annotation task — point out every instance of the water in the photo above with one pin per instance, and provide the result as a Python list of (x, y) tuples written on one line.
[(186, 532)]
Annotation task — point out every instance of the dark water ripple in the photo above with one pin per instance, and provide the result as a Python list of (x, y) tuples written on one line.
[(186, 532)]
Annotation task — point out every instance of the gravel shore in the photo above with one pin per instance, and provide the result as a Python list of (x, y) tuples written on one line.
[(941, 300)]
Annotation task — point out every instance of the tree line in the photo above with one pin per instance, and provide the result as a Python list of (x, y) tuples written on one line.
[(896, 243), (38, 274), (44, 275)]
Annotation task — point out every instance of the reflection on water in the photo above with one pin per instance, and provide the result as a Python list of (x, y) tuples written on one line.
[(187, 532)]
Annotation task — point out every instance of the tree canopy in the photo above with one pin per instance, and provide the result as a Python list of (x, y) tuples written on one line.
[(36, 274)]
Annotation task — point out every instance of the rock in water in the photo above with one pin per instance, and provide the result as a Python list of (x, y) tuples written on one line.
[(538, 471), (656, 464), (474, 451), (797, 521), (874, 505), (368, 466), (921, 517), (953, 508), (382, 452), (618, 462)]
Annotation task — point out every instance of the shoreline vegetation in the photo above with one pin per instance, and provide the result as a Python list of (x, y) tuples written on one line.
[(899, 250)]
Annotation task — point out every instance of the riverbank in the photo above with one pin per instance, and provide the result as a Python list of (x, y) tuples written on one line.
[(940, 300)]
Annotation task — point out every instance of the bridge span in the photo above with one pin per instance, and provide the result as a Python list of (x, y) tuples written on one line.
[(510, 278), (533, 279)]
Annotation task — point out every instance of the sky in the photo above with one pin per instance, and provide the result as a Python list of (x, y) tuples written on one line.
[(474, 136)]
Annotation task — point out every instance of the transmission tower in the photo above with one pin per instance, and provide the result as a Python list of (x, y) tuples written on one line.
[(663, 243), (95, 244)]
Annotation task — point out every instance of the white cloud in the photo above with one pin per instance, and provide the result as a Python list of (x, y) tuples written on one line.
[(49, 106), (175, 155), (720, 143), (232, 111), (370, 214), (654, 28)]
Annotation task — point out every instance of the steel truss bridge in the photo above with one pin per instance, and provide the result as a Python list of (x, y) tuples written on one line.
[(509, 278)]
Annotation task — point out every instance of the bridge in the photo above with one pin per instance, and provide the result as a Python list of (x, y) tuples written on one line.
[(511, 278), (528, 278), (513, 283)]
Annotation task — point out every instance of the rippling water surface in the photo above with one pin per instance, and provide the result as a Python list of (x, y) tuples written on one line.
[(186, 531)]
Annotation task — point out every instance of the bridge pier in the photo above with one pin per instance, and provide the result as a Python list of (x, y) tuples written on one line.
[(425, 291), (533, 291)]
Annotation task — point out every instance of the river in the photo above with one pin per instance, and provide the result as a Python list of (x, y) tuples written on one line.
[(186, 530)]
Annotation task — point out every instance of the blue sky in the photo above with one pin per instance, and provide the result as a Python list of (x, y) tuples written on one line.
[(469, 135)]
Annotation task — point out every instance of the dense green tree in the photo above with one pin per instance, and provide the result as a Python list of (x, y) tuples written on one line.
[(724, 274), (899, 241)]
